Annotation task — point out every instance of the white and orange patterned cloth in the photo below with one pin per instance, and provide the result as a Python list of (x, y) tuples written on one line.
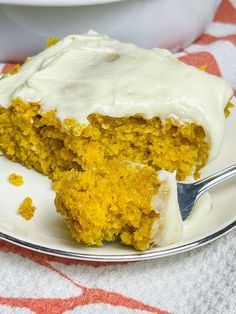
[(199, 282)]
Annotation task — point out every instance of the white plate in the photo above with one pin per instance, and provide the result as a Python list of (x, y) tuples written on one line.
[(47, 233)]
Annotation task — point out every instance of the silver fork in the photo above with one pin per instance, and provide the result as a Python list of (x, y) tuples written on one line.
[(189, 193)]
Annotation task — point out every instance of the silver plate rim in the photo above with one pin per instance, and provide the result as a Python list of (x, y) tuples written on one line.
[(119, 257)]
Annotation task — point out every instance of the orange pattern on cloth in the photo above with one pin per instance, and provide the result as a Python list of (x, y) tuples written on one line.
[(209, 39), (59, 306), (199, 59), (226, 13), (91, 295)]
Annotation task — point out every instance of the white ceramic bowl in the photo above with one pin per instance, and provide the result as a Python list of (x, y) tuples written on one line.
[(25, 25)]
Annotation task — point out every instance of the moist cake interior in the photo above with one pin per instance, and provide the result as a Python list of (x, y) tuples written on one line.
[(109, 202), (42, 142)]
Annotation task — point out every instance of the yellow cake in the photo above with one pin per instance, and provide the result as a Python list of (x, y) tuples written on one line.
[(16, 179), (90, 100), (27, 209), (120, 200)]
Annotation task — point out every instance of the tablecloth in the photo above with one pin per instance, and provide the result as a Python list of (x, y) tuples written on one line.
[(200, 281)]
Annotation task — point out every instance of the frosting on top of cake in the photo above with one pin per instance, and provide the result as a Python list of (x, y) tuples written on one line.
[(92, 73)]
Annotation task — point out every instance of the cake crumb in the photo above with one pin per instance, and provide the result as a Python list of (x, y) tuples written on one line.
[(203, 67), (15, 179), (27, 208), (51, 41), (227, 109)]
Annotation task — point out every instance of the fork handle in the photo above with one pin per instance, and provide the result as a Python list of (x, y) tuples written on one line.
[(207, 183)]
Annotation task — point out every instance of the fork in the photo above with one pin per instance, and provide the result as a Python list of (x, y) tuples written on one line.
[(189, 193)]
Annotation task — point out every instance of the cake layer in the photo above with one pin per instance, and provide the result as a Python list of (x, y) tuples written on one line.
[(42, 142), (87, 74)]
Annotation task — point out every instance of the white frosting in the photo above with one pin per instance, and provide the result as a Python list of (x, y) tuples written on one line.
[(85, 74), (169, 228)]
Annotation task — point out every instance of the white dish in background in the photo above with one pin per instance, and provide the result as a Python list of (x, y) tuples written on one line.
[(26, 25), (47, 233)]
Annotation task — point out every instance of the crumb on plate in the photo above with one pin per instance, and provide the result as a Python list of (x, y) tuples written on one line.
[(16, 179), (27, 208)]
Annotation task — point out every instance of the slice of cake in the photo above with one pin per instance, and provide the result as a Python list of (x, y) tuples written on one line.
[(90, 99)]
